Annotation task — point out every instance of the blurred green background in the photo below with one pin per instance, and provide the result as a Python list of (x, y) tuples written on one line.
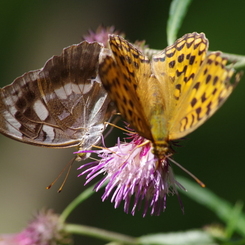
[(32, 31)]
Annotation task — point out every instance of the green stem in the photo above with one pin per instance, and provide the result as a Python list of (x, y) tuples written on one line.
[(223, 209), (177, 12), (239, 60), (99, 233)]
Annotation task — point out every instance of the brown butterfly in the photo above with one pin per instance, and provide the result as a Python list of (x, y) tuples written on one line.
[(61, 105)]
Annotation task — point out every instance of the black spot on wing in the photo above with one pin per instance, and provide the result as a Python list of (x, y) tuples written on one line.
[(208, 78), (180, 47), (205, 71), (193, 102), (192, 59), (187, 79), (198, 111), (181, 58), (125, 87), (196, 86), (21, 103), (178, 73), (214, 91), (209, 108), (171, 64), (170, 54), (131, 103), (216, 79), (128, 59), (203, 97), (189, 44)]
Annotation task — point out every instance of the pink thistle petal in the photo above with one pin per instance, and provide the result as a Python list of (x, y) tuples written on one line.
[(45, 228), (101, 35), (130, 169)]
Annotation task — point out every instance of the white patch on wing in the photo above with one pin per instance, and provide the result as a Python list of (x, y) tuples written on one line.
[(76, 89), (61, 93), (49, 133), (12, 109), (34, 75), (40, 110), (63, 115), (9, 100), (12, 125), (68, 89), (85, 88)]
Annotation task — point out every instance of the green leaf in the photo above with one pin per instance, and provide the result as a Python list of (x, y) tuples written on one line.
[(234, 217), (219, 206), (193, 237), (177, 13)]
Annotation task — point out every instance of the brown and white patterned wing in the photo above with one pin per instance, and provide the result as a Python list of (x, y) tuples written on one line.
[(61, 105)]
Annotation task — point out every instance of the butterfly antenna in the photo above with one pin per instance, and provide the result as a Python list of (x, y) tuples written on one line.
[(103, 148), (123, 129), (67, 174), (115, 120), (94, 159), (69, 164), (188, 172)]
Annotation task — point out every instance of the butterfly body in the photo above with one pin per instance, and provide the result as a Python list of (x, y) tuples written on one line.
[(157, 122), (169, 96)]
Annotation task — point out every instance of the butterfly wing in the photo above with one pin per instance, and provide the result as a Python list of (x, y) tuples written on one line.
[(123, 76), (194, 85), (61, 105)]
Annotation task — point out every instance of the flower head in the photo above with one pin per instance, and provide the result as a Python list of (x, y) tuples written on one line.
[(101, 34), (132, 176), (44, 229)]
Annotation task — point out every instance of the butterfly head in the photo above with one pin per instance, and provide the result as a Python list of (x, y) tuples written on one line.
[(82, 156), (162, 150)]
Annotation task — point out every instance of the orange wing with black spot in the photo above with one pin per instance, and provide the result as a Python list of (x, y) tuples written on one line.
[(194, 84), (122, 76)]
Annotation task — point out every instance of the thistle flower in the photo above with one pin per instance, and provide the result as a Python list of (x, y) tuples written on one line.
[(101, 35), (132, 176), (44, 229)]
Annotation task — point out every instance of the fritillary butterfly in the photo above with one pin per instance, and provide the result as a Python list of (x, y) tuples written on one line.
[(172, 94)]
